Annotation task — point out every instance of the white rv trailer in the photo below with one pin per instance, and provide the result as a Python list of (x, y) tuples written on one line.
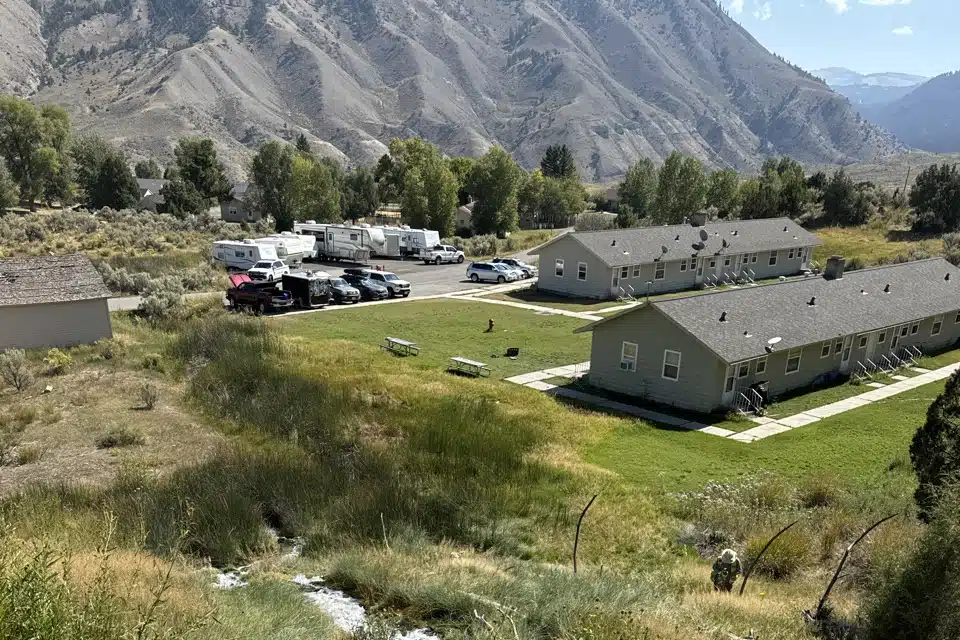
[(343, 242), (404, 241), (241, 255), (292, 248)]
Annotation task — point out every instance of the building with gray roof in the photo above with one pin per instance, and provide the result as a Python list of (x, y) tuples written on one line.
[(150, 196), (702, 352), (240, 206), (635, 262), (52, 301)]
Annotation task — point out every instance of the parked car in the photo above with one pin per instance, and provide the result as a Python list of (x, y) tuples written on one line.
[(395, 286), (442, 253), (270, 270), (369, 290), (489, 272), (258, 297), (528, 270), (342, 293), (308, 290)]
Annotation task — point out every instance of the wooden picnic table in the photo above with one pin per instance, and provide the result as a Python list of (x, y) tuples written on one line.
[(470, 367), (400, 347)]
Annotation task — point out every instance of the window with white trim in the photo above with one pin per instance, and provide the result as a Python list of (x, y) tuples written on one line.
[(790, 255), (661, 271), (957, 319), (726, 261), (671, 365), (793, 361), (713, 263), (558, 268), (937, 326), (914, 328), (628, 356), (731, 379), (825, 349), (904, 330), (581, 271), (683, 267), (624, 273), (838, 346), (863, 342), (636, 271), (882, 338), (753, 258), (761, 365), (773, 259), (743, 370)]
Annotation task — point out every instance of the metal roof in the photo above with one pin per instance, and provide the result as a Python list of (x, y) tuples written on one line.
[(860, 302), (151, 185), (622, 247), (49, 279)]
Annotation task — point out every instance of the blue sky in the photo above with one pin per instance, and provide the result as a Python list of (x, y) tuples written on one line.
[(869, 36)]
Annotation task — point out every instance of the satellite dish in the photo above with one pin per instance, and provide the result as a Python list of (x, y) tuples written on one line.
[(704, 235), (773, 341), (725, 243), (663, 249)]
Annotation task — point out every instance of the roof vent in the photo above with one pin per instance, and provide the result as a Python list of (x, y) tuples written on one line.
[(736, 232), (723, 317), (614, 243), (813, 302), (947, 277), (886, 289), (784, 228), (863, 292), (747, 334), (677, 239)]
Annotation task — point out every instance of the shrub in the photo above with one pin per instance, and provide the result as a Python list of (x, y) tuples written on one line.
[(152, 362), (14, 370), (951, 248), (119, 437), (817, 491), (28, 455), (149, 395), (785, 556), (110, 349), (24, 416), (854, 264), (58, 362), (595, 222), (935, 449), (162, 300)]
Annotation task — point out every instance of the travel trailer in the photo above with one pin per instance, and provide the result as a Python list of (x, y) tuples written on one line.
[(292, 248), (342, 242), (404, 241), (242, 255)]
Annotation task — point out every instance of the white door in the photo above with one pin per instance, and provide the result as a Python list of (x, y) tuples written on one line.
[(847, 350), (700, 270), (729, 386), (616, 279), (806, 258)]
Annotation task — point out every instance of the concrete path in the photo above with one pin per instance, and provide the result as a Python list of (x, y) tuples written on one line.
[(766, 427)]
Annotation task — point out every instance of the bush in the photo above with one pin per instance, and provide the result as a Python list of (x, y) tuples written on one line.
[(951, 248), (855, 264), (152, 362), (110, 349), (162, 300), (595, 222), (14, 370), (785, 556), (149, 395), (58, 362), (818, 491), (119, 437), (28, 455)]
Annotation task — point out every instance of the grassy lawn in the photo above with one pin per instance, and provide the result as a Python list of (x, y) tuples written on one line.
[(447, 328), (529, 296), (939, 360), (812, 399), (871, 244)]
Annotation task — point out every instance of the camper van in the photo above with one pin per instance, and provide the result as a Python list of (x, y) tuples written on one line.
[(342, 242), (242, 255), (293, 249), (416, 242)]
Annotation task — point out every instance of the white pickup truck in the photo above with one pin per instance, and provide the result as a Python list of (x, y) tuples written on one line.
[(442, 253), (270, 270)]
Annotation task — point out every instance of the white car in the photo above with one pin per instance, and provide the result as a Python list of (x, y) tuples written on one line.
[(443, 253), (490, 272), (528, 270), (270, 270), (394, 285)]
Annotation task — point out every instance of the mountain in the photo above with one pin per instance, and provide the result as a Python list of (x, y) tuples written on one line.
[(870, 89), (928, 117), (613, 79)]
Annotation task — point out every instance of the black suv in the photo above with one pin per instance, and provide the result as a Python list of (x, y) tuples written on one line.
[(369, 290)]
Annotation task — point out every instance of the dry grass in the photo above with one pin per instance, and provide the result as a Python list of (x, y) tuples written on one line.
[(872, 243)]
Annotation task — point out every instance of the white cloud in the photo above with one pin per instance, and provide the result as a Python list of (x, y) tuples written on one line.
[(764, 11), (840, 6), (736, 6), (884, 3), (903, 31)]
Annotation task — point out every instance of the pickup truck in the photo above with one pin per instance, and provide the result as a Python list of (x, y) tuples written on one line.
[(270, 270), (442, 253), (258, 297)]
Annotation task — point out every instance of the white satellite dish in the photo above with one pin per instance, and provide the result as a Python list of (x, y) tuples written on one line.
[(704, 235), (772, 341), (663, 249)]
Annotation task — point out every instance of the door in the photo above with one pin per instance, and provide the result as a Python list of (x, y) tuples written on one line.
[(845, 357), (700, 270), (729, 386), (871, 351), (805, 261), (616, 279)]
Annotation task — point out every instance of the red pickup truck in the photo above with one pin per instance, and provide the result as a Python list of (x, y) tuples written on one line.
[(259, 297)]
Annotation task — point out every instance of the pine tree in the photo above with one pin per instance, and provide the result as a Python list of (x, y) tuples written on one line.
[(303, 145), (935, 450), (558, 162)]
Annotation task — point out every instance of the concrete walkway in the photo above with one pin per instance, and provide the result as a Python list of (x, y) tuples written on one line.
[(766, 427)]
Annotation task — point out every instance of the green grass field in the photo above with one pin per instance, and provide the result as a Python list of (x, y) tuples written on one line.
[(872, 244), (529, 296)]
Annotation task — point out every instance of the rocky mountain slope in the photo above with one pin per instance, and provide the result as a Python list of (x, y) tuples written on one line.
[(870, 89), (613, 79), (928, 117), (22, 55)]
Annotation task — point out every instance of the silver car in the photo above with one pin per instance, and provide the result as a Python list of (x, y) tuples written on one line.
[(526, 270), (489, 272)]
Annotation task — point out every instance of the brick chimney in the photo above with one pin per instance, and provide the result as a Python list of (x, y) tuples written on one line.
[(698, 219), (834, 268)]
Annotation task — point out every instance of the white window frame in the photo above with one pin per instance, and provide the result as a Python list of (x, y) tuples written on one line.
[(838, 346), (761, 366), (793, 354), (863, 342), (882, 337), (636, 270), (624, 273), (957, 319), (558, 267), (660, 272), (773, 259), (754, 257), (683, 267), (726, 261), (825, 348), (663, 368), (915, 328), (582, 268), (938, 325), (713, 263), (791, 254), (743, 370), (629, 361)]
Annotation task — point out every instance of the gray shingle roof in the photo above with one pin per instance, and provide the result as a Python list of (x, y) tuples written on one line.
[(643, 244), (49, 279), (151, 185), (854, 304)]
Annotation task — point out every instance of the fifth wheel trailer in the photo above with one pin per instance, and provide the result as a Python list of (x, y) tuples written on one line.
[(342, 242)]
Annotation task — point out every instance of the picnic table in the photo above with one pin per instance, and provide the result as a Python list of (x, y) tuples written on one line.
[(470, 367), (400, 347)]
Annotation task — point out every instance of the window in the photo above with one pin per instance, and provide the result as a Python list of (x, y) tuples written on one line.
[(660, 272), (700, 267), (837, 347), (240, 254), (773, 258), (232, 211), (636, 271), (753, 258), (581, 270), (713, 263), (903, 331), (914, 328), (882, 338), (793, 361), (790, 255), (624, 273), (761, 366), (957, 319), (728, 386), (671, 364), (354, 236), (726, 261), (628, 356), (825, 349), (743, 370), (937, 325), (683, 267), (558, 268), (863, 342)]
